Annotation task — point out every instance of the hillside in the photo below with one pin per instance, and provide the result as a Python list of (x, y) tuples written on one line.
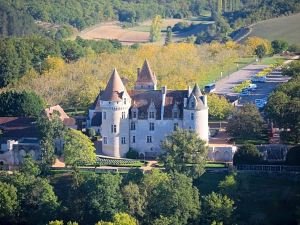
[(283, 28)]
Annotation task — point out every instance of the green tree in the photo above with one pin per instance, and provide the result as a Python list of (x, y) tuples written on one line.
[(217, 208), (30, 166), (178, 192), (134, 199), (70, 50), (124, 219), (8, 201), (292, 69), (247, 154), (245, 122), (229, 186), (56, 222), (78, 148), (260, 51), (279, 46), (155, 29), (184, 152), (219, 107)]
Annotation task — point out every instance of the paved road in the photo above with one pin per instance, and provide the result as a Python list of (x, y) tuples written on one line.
[(225, 85)]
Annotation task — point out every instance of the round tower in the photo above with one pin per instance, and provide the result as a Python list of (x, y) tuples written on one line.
[(195, 113), (114, 104)]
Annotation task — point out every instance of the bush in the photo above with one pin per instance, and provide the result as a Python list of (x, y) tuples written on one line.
[(293, 156), (247, 154), (132, 154), (90, 132)]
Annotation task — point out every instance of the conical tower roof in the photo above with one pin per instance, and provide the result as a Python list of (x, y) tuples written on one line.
[(196, 91), (146, 75), (114, 89)]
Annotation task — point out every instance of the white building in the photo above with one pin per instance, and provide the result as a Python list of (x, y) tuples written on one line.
[(141, 118)]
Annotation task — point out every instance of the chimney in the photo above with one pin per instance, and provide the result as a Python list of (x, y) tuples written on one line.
[(163, 97)]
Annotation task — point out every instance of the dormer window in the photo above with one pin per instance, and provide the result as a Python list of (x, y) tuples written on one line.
[(152, 115), (192, 104)]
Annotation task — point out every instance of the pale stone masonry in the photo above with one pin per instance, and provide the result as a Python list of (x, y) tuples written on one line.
[(141, 118)]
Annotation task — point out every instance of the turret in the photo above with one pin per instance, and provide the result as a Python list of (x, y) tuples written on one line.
[(195, 113), (114, 104), (146, 79)]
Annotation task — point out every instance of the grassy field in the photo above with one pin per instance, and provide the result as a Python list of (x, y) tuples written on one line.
[(283, 28), (260, 199), (272, 60)]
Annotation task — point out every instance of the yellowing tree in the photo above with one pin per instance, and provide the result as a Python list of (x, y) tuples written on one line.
[(254, 42), (155, 29), (52, 63)]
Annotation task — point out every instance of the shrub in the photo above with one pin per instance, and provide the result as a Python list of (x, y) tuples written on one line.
[(247, 154), (293, 156), (132, 154)]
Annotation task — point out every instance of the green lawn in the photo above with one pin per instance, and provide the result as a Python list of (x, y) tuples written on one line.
[(272, 60), (283, 28)]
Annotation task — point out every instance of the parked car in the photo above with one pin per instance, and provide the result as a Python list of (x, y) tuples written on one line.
[(260, 102)]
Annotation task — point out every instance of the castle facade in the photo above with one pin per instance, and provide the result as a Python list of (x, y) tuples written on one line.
[(141, 118)]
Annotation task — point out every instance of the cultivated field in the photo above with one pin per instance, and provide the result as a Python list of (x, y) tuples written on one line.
[(284, 28), (137, 34)]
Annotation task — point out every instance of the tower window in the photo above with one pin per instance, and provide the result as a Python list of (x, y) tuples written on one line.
[(123, 115), (151, 115), (104, 115), (132, 126), (151, 126), (175, 126), (133, 139), (192, 104), (114, 128), (105, 140), (134, 114), (192, 116), (124, 101), (149, 139)]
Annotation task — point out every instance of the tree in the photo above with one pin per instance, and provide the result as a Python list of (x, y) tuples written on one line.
[(25, 103), (247, 154), (292, 69), (245, 122), (30, 166), (178, 192), (260, 51), (70, 50), (8, 201), (293, 156), (124, 219), (78, 148), (217, 208), (184, 152), (219, 107), (134, 199), (228, 186), (168, 39), (279, 46), (155, 29), (56, 222)]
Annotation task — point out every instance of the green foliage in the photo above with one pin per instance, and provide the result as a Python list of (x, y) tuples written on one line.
[(134, 199), (279, 46), (176, 191), (184, 152), (217, 208), (293, 156), (78, 148), (239, 88), (168, 38), (291, 69), (132, 154), (124, 219), (283, 108), (25, 103), (90, 132), (56, 222), (155, 28), (245, 122), (228, 186), (247, 154), (260, 51), (219, 107), (30, 167), (8, 201)]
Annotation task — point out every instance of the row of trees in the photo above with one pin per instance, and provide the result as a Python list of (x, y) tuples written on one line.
[(19, 56)]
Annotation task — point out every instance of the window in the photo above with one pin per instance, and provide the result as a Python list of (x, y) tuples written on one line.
[(133, 139), (114, 128), (124, 101), (149, 139), (123, 140), (175, 114), (134, 114), (105, 140), (132, 126), (151, 115), (192, 104), (151, 126), (104, 115), (175, 126), (192, 116), (123, 115)]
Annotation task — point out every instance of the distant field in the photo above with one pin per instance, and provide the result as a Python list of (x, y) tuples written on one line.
[(137, 34), (283, 28)]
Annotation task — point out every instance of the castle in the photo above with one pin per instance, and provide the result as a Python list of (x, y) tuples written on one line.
[(141, 118)]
